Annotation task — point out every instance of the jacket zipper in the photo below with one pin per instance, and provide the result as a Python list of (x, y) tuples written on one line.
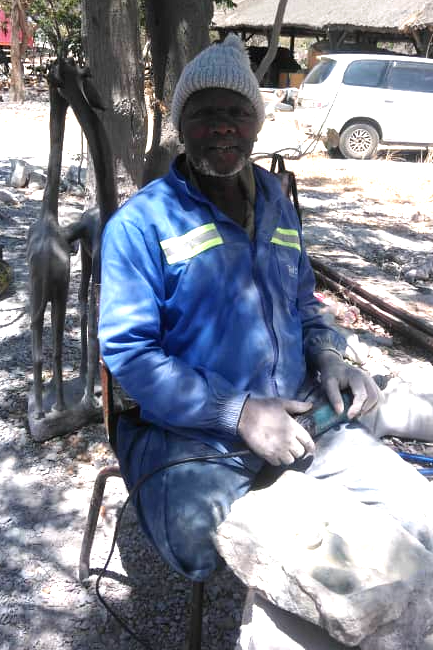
[(269, 325)]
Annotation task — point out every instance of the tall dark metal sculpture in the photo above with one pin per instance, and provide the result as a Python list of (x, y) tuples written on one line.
[(49, 269), (62, 407)]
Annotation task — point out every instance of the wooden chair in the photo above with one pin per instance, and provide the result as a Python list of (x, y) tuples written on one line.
[(112, 411)]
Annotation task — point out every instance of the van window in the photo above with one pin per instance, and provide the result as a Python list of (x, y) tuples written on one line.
[(411, 76), (320, 72), (365, 73)]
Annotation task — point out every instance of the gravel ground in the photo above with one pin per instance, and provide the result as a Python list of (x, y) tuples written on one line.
[(46, 487)]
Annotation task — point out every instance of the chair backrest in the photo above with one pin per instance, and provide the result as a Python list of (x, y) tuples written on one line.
[(288, 181), (111, 415)]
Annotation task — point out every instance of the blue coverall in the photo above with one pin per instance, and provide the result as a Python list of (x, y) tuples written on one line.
[(194, 318)]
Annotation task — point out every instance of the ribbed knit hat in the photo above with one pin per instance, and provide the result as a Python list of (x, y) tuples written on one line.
[(222, 65)]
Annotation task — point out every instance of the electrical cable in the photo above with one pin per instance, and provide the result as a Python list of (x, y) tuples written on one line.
[(416, 458), (174, 463), (133, 491), (421, 460)]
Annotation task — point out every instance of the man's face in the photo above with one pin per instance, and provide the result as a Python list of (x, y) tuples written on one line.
[(219, 128)]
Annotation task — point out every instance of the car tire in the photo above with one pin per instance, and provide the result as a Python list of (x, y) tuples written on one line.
[(359, 141)]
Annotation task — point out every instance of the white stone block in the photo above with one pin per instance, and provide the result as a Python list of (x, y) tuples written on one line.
[(266, 627), (313, 549)]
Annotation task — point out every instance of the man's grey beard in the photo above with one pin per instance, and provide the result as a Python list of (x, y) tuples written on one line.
[(204, 168)]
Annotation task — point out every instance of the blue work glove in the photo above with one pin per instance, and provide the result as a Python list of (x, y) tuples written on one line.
[(336, 375)]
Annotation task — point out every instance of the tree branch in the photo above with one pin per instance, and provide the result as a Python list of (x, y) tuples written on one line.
[(273, 45)]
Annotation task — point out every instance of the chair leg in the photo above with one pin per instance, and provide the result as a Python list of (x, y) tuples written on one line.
[(92, 518), (196, 616)]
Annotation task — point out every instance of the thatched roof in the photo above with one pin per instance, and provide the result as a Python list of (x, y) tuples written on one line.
[(384, 16)]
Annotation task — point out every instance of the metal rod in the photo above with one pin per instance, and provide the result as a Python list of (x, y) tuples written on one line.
[(354, 286), (92, 518), (409, 331), (196, 616)]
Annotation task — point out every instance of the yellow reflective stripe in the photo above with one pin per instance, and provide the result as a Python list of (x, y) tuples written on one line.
[(286, 237), (288, 231), (192, 243), (289, 244), (216, 241)]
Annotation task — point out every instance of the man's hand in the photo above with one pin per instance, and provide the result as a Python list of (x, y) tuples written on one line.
[(270, 432), (336, 375)]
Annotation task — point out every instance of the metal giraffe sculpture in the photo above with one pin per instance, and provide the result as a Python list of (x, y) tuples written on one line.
[(75, 85), (49, 268), (49, 248)]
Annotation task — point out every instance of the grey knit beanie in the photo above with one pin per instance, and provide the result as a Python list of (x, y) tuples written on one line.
[(222, 65)]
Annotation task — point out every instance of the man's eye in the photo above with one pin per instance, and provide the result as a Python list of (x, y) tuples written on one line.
[(210, 112), (240, 112), (203, 113)]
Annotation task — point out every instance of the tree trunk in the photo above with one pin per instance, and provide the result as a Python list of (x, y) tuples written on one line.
[(177, 31), (111, 42), (18, 22)]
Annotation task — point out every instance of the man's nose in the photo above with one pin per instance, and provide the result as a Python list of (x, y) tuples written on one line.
[(222, 126), (221, 123)]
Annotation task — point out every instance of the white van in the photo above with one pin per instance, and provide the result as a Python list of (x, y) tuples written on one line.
[(356, 101)]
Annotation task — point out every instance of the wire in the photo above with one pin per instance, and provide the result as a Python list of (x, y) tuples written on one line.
[(420, 458), (133, 491), (160, 468)]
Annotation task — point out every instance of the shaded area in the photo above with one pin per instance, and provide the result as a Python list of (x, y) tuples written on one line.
[(45, 492)]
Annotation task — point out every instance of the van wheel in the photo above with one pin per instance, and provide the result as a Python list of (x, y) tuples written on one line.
[(359, 141)]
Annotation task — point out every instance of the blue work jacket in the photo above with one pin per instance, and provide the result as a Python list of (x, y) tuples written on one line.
[(194, 316)]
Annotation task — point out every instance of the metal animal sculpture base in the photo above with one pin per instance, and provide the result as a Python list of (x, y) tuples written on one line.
[(77, 411)]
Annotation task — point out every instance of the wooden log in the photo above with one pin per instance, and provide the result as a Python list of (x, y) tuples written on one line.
[(390, 308), (391, 321)]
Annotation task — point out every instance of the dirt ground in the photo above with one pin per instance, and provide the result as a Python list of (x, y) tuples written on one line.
[(373, 206)]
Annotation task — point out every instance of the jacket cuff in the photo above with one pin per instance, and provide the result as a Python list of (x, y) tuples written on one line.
[(229, 413), (331, 341)]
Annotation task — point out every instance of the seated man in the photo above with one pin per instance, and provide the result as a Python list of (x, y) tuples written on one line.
[(209, 322)]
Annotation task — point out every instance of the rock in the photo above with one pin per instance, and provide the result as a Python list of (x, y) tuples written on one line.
[(423, 270), (266, 627), (36, 194), (37, 180), (76, 175), (406, 407), (315, 556), (419, 374), (356, 350), (75, 190), (20, 173), (8, 198)]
